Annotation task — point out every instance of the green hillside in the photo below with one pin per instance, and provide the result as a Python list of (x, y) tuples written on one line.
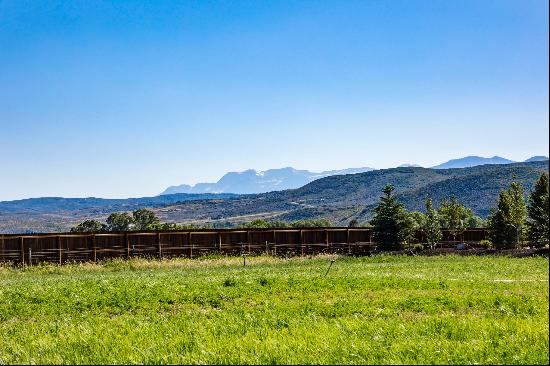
[(338, 198), (341, 198)]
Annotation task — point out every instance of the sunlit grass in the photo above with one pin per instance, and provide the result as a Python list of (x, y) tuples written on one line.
[(385, 309)]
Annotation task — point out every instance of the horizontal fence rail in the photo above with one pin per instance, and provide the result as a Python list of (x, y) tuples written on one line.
[(83, 247)]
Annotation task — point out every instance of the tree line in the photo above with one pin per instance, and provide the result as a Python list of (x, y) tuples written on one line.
[(511, 222), (146, 219)]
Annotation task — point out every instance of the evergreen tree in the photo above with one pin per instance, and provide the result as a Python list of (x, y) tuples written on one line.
[(518, 211), (537, 222), (391, 224), (431, 227), (502, 234), (507, 220)]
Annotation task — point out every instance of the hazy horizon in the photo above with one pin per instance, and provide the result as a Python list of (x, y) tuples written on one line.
[(215, 180), (124, 99)]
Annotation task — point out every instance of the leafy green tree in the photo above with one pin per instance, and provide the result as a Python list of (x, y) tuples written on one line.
[(538, 217), (119, 221), (391, 224), (165, 226), (311, 223), (144, 219), (410, 223), (353, 223), (454, 216), (507, 220), (419, 218), (278, 224), (432, 227), (259, 223), (474, 221), (89, 226)]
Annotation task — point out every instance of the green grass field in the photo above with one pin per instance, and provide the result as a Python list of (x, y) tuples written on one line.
[(367, 310)]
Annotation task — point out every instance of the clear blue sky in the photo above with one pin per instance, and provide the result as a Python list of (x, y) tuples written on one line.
[(124, 98)]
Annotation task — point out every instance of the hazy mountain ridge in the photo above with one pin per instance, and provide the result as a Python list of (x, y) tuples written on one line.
[(250, 181), (471, 161), (338, 198), (342, 197)]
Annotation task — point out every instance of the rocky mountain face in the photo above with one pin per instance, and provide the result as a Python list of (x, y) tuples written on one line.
[(251, 181)]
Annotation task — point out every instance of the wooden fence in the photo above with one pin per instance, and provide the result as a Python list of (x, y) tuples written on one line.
[(82, 247)]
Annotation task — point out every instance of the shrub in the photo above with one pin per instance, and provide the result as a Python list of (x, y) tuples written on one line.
[(418, 247), (487, 244)]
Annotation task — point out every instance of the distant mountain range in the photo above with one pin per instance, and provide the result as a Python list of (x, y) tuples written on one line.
[(250, 181), (53, 204), (338, 198)]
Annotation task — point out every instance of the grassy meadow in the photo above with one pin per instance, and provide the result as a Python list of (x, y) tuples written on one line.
[(382, 309)]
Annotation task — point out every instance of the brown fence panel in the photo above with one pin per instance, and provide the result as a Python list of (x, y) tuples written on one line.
[(174, 244), (143, 245), (476, 235), (110, 246), (287, 242), (203, 243), (80, 247), (76, 248), (11, 250)]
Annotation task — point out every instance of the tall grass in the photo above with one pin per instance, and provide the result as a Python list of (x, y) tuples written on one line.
[(366, 310)]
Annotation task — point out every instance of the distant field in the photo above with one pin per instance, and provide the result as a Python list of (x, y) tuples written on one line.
[(366, 310)]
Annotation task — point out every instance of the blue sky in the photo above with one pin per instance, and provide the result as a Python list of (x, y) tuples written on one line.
[(124, 98)]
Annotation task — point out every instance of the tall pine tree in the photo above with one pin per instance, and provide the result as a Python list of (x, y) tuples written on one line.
[(391, 224), (507, 220), (537, 222)]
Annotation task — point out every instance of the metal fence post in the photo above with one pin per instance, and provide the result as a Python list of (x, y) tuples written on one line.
[(127, 245), (22, 243), (94, 247), (159, 244)]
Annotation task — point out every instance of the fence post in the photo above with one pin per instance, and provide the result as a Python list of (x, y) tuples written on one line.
[(30, 256), (94, 248), (22, 250), (159, 244), (59, 249), (326, 240), (266, 248), (190, 246), (248, 239), (127, 245), (274, 242), (2, 244), (220, 241), (302, 242)]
